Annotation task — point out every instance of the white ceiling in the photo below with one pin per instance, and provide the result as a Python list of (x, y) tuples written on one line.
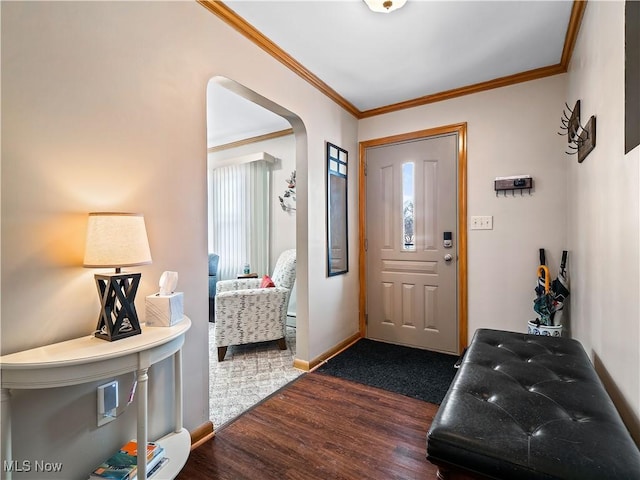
[(427, 47), (231, 118)]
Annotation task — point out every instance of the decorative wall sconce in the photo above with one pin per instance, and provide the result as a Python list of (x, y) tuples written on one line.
[(581, 139), (288, 199)]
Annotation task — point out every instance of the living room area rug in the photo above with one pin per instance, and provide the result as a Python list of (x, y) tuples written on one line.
[(248, 374), (412, 372)]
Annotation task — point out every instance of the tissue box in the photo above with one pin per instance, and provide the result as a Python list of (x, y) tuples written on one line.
[(164, 310)]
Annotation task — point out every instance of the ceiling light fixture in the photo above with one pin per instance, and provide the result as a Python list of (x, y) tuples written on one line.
[(384, 6)]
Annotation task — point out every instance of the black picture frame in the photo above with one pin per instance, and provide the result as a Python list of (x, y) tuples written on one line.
[(632, 76), (337, 211)]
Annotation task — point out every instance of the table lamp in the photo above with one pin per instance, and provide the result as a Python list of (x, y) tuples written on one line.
[(117, 240)]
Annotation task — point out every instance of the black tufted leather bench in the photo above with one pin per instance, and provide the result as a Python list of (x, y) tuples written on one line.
[(529, 407)]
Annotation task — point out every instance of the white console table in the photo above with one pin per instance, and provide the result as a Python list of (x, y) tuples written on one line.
[(89, 359)]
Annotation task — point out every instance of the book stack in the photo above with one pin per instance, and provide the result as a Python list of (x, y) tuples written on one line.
[(123, 465)]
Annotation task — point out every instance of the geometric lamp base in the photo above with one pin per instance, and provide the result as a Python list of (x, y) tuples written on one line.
[(118, 317)]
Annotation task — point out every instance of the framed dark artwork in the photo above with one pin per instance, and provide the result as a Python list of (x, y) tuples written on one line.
[(337, 215), (632, 76)]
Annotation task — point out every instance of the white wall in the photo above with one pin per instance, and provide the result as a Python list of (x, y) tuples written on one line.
[(603, 214), (103, 108), (510, 131), (283, 224)]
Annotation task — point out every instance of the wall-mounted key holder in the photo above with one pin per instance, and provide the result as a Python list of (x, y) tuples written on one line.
[(512, 184)]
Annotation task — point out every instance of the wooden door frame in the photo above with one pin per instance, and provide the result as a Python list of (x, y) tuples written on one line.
[(461, 130)]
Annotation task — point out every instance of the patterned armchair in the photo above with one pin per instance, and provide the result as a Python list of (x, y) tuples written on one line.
[(246, 313)]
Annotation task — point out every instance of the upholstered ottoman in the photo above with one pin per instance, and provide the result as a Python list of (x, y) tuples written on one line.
[(529, 407)]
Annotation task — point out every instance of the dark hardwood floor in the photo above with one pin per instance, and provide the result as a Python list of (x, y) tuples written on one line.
[(321, 428)]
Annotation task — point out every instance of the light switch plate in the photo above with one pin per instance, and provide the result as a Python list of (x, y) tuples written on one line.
[(482, 222)]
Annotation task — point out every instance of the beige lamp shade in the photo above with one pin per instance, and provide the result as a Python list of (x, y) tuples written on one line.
[(384, 6), (116, 240)]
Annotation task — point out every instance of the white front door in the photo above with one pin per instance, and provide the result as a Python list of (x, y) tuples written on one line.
[(412, 242)]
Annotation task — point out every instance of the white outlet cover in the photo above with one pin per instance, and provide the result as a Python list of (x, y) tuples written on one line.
[(107, 402)]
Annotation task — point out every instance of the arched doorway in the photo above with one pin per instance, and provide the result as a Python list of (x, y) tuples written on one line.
[(243, 126)]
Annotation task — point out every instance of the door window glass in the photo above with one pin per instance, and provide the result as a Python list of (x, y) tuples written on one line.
[(408, 202)]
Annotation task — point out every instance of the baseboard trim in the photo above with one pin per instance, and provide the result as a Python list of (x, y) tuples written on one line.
[(301, 364), (319, 360), (201, 434)]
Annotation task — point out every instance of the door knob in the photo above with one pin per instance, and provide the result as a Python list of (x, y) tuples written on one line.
[(448, 257)]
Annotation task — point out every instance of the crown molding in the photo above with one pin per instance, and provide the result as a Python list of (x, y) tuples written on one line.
[(245, 28), (247, 141), (219, 9), (577, 12), (468, 90)]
